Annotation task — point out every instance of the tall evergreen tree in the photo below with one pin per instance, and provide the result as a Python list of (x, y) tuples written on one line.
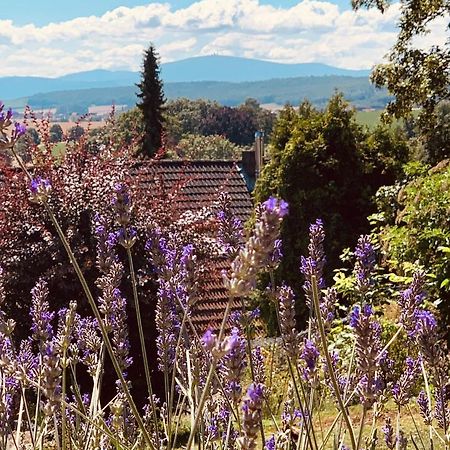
[(151, 104)]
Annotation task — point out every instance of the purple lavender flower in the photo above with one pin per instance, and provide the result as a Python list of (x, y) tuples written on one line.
[(424, 406), (233, 365), (276, 256), (276, 206), (328, 307), (230, 230), (18, 130), (88, 343), (111, 302), (41, 316), (118, 321), (5, 118), (402, 388), (26, 363), (270, 443), (427, 336), (40, 189), (251, 416), (106, 242), (368, 345), (310, 356), (388, 431), (365, 262), (51, 374), (168, 325), (256, 253), (126, 237), (313, 264), (441, 411), (209, 340), (289, 334), (258, 365), (121, 203), (410, 302)]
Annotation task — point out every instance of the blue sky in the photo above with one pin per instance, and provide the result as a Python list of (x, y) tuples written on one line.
[(43, 38)]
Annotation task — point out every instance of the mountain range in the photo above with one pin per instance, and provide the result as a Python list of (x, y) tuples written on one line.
[(212, 68)]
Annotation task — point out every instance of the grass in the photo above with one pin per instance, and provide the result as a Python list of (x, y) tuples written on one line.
[(372, 118), (412, 425)]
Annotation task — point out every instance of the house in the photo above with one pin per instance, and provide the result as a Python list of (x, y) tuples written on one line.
[(199, 184)]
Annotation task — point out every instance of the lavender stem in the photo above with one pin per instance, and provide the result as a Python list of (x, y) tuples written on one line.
[(323, 339)]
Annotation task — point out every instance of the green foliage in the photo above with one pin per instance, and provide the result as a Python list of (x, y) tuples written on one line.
[(151, 103), (200, 117), (128, 126), (419, 230), (416, 76), (437, 139), (326, 166), (207, 147), (75, 133), (184, 116), (56, 133)]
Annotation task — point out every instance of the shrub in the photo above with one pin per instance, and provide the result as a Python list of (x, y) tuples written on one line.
[(207, 147), (325, 165)]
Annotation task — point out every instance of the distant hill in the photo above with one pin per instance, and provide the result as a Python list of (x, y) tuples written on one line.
[(203, 68), (233, 69), (318, 90)]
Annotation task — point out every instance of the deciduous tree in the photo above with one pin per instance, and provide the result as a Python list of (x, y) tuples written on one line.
[(415, 75)]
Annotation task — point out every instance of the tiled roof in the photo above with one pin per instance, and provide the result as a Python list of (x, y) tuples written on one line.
[(199, 183), (208, 311)]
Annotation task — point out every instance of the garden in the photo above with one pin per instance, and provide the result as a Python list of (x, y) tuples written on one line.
[(359, 363)]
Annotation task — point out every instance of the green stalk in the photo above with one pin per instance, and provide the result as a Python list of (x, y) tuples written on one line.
[(56, 437), (417, 428), (171, 393), (361, 427), (391, 341), (252, 372), (142, 339), (397, 430), (294, 381), (63, 406), (95, 310), (27, 412), (428, 391), (19, 421), (209, 378), (323, 339)]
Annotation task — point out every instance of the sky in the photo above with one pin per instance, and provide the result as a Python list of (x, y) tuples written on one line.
[(44, 38)]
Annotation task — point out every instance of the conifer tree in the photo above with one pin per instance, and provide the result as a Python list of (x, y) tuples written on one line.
[(151, 104)]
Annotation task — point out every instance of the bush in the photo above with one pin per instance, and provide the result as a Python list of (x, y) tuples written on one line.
[(325, 165), (193, 147), (413, 229)]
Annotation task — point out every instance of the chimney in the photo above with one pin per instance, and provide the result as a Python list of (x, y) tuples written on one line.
[(259, 152), (252, 161)]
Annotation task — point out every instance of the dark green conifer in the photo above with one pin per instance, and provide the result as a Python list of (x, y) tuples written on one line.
[(151, 103)]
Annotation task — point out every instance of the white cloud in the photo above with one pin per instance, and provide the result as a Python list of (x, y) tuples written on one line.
[(310, 31)]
